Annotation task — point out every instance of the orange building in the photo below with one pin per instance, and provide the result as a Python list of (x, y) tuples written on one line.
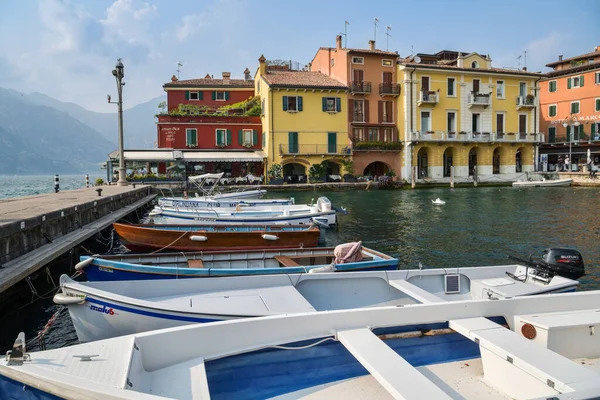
[(371, 76), (571, 94)]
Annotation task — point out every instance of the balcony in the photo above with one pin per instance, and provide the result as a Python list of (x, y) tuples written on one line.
[(360, 87), (427, 97), (477, 137), (479, 100), (526, 102), (313, 149), (377, 146), (389, 89)]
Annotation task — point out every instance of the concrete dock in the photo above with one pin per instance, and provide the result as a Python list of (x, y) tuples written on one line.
[(34, 230)]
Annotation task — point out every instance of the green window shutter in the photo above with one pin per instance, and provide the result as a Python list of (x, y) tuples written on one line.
[(299, 103), (597, 104), (226, 95), (293, 142), (331, 142), (228, 137), (195, 137), (214, 95), (285, 103), (553, 86), (187, 94), (338, 104), (568, 133), (568, 83), (254, 138), (552, 110), (324, 105), (581, 81), (552, 136), (188, 137), (200, 95), (219, 138), (240, 137), (593, 131), (263, 139)]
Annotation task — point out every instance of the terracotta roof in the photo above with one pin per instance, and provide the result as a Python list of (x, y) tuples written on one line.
[(491, 70), (565, 60), (204, 82), (576, 68), (366, 51), (301, 79)]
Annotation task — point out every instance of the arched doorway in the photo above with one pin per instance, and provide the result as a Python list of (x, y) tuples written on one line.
[(294, 173), (472, 161), (422, 164), (376, 168), (331, 168), (496, 161), (519, 160), (448, 161)]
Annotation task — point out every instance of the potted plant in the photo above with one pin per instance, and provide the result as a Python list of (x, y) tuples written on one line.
[(316, 173), (275, 174), (99, 181), (451, 135), (392, 174), (530, 99)]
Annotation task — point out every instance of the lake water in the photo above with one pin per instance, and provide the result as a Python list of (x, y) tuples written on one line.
[(14, 186), (477, 226)]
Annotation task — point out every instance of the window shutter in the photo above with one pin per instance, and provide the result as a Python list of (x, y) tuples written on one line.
[(291, 142), (285, 103), (200, 95), (188, 137), (226, 95), (389, 111), (366, 107), (299, 103), (350, 110), (263, 139), (254, 138), (219, 138), (241, 137), (568, 83), (593, 131), (380, 106), (597, 104), (568, 133), (228, 137), (338, 104), (324, 103), (214, 95), (331, 142), (187, 94), (581, 81)]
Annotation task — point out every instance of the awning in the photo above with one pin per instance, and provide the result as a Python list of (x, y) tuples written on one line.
[(191, 155)]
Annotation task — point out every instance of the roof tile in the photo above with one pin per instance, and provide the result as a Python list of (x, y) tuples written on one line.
[(204, 82), (303, 79)]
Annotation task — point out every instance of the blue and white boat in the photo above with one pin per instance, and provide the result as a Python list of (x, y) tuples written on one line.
[(198, 203), (232, 263), (519, 348), (101, 310)]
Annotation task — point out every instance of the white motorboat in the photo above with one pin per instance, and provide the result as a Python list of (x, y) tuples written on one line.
[(526, 347), (438, 202), (101, 310), (544, 183)]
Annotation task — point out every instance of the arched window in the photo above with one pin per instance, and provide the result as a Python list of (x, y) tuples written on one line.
[(474, 64)]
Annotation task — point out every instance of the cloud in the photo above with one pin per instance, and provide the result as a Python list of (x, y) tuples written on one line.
[(220, 14), (191, 24)]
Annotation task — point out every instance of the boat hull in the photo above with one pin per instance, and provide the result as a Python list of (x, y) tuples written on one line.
[(327, 217), (547, 183), (194, 203), (152, 237)]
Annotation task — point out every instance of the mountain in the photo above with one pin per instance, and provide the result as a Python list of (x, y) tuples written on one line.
[(36, 138), (139, 128)]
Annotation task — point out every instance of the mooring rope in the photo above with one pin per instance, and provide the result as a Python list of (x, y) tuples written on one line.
[(170, 244)]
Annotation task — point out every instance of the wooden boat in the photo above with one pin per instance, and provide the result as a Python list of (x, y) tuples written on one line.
[(230, 263), (437, 350), (544, 183), (211, 237), (101, 310)]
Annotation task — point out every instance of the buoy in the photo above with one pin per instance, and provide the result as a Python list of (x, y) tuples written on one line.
[(82, 264), (267, 236), (197, 238), (328, 268), (63, 299)]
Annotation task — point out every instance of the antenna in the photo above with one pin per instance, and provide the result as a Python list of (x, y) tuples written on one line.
[(412, 50), (375, 29), (346, 23), (179, 64), (387, 39), (519, 58), (525, 58)]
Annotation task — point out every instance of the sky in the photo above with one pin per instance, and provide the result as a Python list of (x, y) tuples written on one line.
[(68, 48)]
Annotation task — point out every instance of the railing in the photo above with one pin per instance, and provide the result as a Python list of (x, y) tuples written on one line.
[(428, 97), (380, 146), (392, 89), (442, 136), (479, 99), (308, 149), (582, 137), (360, 87), (525, 101), (358, 117)]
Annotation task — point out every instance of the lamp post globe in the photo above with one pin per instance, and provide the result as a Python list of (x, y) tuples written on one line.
[(119, 73)]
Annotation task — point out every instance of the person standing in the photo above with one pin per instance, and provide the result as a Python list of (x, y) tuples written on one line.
[(567, 162)]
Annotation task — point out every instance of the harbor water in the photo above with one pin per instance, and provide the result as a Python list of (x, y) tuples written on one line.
[(476, 227)]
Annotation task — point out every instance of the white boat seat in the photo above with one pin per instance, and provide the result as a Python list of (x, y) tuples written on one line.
[(393, 372), (415, 292), (547, 368)]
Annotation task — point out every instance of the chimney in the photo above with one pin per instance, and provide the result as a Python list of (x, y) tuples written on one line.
[(371, 45), (173, 78), (338, 42), (460, 61), (226, 76), (262, 67), (525, 69), (207, 76), (560, 58), (597, 48), (309, 66), (247, 75)]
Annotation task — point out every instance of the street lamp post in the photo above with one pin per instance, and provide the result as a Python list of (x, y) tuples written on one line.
[(566, 125), (119, 74)]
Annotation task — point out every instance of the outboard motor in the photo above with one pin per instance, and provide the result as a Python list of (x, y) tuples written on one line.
[(567, 263), (323, 204)]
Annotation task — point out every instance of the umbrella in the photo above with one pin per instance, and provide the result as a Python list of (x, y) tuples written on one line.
[(589, 156)]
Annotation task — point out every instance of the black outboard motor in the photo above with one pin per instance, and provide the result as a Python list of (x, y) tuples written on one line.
[(567, 263)]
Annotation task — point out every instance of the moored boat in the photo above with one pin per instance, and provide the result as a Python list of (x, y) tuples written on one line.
[(527, 347), (215, 237), (348, 257), (226, 202), (101, 310), (544, 183)]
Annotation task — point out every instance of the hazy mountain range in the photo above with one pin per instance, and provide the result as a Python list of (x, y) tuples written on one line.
[(41, 135)]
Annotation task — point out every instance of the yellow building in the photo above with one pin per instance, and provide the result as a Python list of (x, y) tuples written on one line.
[(458, 113), (304, 120)]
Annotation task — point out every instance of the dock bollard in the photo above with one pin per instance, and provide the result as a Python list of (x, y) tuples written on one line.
[(56, 184), (99, 190), (87, 181)]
